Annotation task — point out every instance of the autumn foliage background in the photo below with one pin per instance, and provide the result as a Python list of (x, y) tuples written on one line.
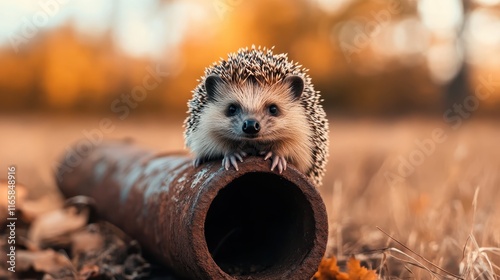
[(390, 72), (367, 57)]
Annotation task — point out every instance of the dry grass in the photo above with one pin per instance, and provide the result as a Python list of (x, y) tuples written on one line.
[(440, 222)]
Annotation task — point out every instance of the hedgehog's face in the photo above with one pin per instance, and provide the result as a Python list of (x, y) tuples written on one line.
[(251, 112)]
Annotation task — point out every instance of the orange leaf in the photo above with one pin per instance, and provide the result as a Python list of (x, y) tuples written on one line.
[(329, 270), (357, 272)]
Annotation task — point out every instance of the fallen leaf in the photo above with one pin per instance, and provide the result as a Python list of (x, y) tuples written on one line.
[(32, 209), (357, 272), (89, 271), (56, 224), (86, 241), (329, 270), (47, 261)]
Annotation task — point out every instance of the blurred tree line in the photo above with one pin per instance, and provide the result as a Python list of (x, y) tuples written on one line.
[(366, 57)]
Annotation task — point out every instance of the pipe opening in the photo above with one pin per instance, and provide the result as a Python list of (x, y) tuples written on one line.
[(259, 224)]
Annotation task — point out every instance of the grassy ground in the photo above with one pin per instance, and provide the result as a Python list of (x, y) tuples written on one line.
[(437, 196), (444, 206)]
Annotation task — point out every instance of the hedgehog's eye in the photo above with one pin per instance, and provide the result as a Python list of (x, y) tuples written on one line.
[(273, 109), (232, 110)]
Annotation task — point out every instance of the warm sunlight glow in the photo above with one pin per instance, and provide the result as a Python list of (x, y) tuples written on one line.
[(443, 16)]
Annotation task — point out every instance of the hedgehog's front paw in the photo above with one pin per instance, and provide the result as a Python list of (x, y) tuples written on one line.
[(231, 159), (278, 161)]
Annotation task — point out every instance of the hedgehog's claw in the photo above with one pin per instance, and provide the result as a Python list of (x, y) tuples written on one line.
[(268, 155), (197, 161), (277, 161), (232, 159)]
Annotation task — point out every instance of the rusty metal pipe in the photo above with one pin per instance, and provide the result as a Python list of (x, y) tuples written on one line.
[(206, 222)]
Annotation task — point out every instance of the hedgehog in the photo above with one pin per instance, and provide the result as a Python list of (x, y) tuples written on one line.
[(258, 103)]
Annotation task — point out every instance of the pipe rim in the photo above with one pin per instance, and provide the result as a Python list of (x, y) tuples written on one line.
[(210, 190)]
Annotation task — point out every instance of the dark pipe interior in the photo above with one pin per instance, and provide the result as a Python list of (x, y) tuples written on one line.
[(259, 224)]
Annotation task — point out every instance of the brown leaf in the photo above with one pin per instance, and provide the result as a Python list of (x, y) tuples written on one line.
[(89, 271), (86, 241), (57, 223), (31, 209), (47, 261)]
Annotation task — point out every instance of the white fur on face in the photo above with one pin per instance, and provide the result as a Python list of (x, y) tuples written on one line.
[(288, 134)]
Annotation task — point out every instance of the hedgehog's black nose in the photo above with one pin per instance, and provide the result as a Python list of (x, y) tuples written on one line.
[(251, 126)]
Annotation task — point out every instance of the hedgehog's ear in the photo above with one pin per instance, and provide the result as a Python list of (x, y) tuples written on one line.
[(211, 83), (296, 85)]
